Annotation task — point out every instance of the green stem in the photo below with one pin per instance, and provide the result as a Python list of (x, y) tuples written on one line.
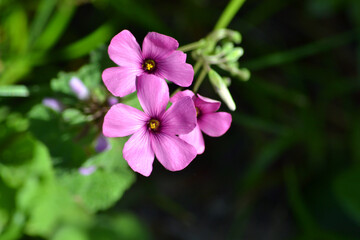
[(191, 46), (229, 13), (197, 67), (200, 79)]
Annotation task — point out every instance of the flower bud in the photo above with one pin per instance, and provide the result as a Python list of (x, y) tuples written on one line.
[(102, 144), (53, 104), (87, 170), (79, 88), (221, 89), (235, 54)]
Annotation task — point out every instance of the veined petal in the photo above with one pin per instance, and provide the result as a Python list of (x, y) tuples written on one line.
[(153, 94), (172, 152), (181, 94), (122, 120), (120, 81), (215, 124), (138, 152), (206, 105), (195, 138), (157, 46), (180, 118), (175, 69), (124, 50)]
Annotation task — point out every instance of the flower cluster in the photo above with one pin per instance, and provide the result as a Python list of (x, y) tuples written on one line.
[(173, 135)]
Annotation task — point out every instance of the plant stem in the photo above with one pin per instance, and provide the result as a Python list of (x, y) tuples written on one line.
[(229, 13), (200, 79), (190, 46), (197, 67)]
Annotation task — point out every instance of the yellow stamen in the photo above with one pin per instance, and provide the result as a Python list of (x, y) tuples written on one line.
[(149, 65), (154, 124), (197, 111)]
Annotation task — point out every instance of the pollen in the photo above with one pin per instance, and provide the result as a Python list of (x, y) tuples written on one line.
[(149, 65), (154, 124), (197, 111)]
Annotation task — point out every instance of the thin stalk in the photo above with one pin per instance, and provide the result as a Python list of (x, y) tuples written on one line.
[(200, 79), (197, 67), (229, 13), (191, 46)]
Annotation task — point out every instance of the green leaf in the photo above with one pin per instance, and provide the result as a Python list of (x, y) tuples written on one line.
[(347, 192), (122, 226), (89, 74), (16, 27), (14, 91), (74, 116), (97, 191), (101, 189), (58, 135), (56, 26), (86, 44), (69, 233)]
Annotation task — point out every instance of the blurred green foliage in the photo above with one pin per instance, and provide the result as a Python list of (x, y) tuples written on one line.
[(287, 169)]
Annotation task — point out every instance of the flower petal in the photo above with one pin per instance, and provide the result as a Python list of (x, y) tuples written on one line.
[(172, 152), (53, 103), (215, 124), (206, 105), (181, 94), (122, 120), (138, 152), (79, 88), (124, 50), (157, 46), (180, 118), (87, 170), (174, 69), (102, 144), (153, 94), (120, 81), (195, 138)]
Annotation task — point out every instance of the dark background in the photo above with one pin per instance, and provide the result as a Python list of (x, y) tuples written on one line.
[(288, 168)]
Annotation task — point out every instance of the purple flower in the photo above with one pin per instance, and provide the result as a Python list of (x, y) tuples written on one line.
[(78, 87), (209, 121), (158, 57), (53, 104), (102, 144), (154, 130), (112, 101), (87, 170)]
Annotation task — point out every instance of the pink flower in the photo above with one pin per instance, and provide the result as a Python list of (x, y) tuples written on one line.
[(154, 130), (209, 121), (87, 170), (158, 57), (79, 88)]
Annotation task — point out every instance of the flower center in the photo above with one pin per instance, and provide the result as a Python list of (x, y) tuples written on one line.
[(154, 124), (149, 65), (197, 111)]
